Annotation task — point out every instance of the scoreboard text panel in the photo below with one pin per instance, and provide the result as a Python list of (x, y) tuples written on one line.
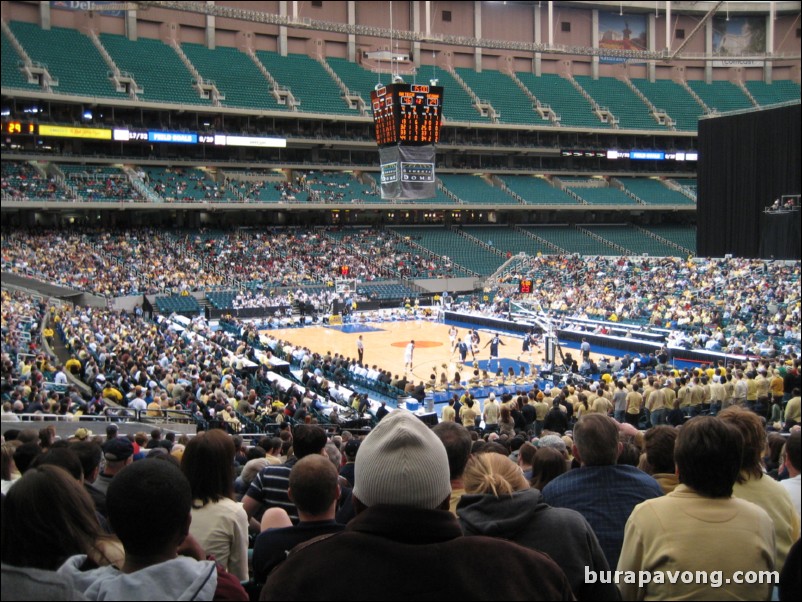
[(407, 114)]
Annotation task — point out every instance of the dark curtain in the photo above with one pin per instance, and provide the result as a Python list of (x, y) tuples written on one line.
[(745, 162)]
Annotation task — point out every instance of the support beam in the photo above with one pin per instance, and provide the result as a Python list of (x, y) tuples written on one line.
[(651, 24), (538, 67), (282, 30), (351, 48), (477, 33), (594, 42), (210, 28)]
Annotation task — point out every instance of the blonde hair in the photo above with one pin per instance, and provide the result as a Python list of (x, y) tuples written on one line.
[(493, 473)]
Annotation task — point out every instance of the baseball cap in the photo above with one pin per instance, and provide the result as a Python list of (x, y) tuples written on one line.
[(118, 449)]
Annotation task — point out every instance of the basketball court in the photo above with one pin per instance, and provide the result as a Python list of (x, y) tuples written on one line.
[(385, 343)]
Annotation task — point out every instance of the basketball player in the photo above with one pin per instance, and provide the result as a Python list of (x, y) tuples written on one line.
[(408, 356)]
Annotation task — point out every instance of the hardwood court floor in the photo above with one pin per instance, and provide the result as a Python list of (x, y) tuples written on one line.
[(385, 346)]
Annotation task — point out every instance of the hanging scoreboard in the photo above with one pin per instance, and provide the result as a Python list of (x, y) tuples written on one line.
[(407, 119), (407, 113)]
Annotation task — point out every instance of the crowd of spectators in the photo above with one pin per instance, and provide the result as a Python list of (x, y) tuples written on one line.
[(597, 499), (740, 306), (21, 181), (149, 261)]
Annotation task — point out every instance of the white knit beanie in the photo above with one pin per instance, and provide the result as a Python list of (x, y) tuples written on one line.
[(402, 462)]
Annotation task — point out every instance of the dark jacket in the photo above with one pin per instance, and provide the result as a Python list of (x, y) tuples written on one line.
[(524, 518), (402, 553)]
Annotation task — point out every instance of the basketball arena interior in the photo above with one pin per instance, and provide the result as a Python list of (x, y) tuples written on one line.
[(252, 195)]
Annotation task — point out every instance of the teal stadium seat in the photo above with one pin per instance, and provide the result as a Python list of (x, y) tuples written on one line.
[(573, 108), (721, 96), (459, 249), (773, 93), (70, 57), (505, 96), (674, 100), (308, 81), (157, 69), (614, 94), (235, 75), (12, 76)]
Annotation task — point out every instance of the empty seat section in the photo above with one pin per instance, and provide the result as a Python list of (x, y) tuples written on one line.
[(356, 79), (12, 76), (157, 69), (654, 191), (537, 191), (308, 81), (773, 93), (502, 92), (565, 100), (508, 240), (475, 189), (385, 291), (673, 99), (70, 56), (688, 183), (685, 236), (221, 299), (235, 75), (721, 96), (457, 103), (177, 304), (634, 240), (614, 94), (603, 195), (458, 248), (571, 239)]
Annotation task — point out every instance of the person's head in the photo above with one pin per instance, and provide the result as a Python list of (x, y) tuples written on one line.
[(554, 442), (792, 454), (754, 440), (8, 466), (596, 440), (274, 446), (493, 474), (526, 454), (351, 450), (775, 445), (307, 439), (402, 462), (208, 464), (89, 453), (149, 485), (48, 517), (659, 442), (63, 457), (314, 485), (252, 468), (25, 454), (457, 441), (708, 454), (118, 452), (547, 465), (334, 454)]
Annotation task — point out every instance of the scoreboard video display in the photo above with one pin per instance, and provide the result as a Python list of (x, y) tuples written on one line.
[(409, 114)]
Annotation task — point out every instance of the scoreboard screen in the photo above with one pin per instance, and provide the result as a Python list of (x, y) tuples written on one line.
[(525, 286), (384, 115), (20, 128), (407, 113)]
